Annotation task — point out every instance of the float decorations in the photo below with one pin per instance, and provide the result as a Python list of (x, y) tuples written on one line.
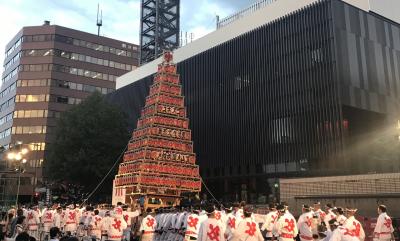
[(160, 159)]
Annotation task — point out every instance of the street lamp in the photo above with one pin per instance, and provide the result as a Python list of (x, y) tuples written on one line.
[(17, 155)]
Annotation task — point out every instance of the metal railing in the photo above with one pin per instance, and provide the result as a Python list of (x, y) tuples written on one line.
[(254, 7)]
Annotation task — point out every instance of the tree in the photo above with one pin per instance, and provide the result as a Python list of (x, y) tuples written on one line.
[(88, 140)]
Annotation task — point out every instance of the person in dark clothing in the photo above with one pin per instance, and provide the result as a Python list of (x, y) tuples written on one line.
[(23, 237), (20, 213)]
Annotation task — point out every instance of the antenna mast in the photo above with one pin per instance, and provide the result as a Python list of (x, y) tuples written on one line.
[(99, 22)]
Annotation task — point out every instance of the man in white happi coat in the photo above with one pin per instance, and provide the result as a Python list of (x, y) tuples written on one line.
[(105, 223), (115, 231), (47, 219), (269, 222), (33, 222), (340, 218), (230, 223), (247, 229), (193, 222), (58, 219), (128, 216), (384, 227), (210, 229), (304, 224), (94, 226), (353, 225), (148, 226), (319, 213), (340, 233), (330, 215), (70, 220), (285, 227)]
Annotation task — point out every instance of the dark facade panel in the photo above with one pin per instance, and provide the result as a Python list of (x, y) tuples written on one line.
[(368, 50), (262, 105)]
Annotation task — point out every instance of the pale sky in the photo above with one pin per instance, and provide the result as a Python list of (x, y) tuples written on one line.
[(120, 17)]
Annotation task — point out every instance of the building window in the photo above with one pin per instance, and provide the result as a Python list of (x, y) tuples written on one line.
[(28, 130), (68, 70)]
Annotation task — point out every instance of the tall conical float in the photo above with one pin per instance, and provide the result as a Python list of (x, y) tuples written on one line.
[(159, 164)]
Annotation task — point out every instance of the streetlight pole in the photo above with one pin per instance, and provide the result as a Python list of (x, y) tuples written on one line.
[(36, 149), (19, 184)]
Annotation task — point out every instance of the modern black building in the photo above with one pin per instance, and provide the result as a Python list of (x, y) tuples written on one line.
[(312, 92)]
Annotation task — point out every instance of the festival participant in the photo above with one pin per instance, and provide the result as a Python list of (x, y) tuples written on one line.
[(319, 213), (47, 219), (285, 227), (353, 225), (211, 229), (329, 215), (180, 224), (94, 226), (148, 226), (247, 229), (58, 219), (192, 225), (105, 223), (340, 218), (128, 216), (269, 222), (384, 228), (305, 224), (70, 220), (230, 224), (33, 222), (340, 233), (116, 228)]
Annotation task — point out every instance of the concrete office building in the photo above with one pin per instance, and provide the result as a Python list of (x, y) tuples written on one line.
[(48, 69)]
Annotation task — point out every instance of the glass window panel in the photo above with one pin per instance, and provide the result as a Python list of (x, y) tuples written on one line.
[(65, 54), (34, 114), (25, 129), (105, 62), (72, 85), (74, 56), (41, 98), (39, 113), (27, 114), (19, 130), (79, 86), (81, 57), (45, 113), (87, 58), (80, 72), (75, 42), (73, 71), (38, 67)]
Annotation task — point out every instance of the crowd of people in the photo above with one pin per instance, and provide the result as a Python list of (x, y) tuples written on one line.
[(211, 222)]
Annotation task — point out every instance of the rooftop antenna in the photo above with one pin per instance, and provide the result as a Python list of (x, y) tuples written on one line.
[(99, 22)]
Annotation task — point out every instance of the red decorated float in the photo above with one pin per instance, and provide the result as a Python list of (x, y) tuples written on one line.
[(159, 163)]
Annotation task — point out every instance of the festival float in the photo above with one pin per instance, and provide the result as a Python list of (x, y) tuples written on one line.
[(159, 164)]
